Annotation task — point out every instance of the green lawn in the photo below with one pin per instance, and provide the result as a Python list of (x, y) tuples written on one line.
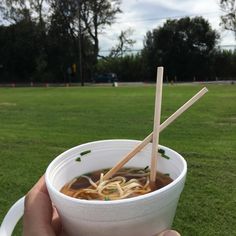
[(38, 124)]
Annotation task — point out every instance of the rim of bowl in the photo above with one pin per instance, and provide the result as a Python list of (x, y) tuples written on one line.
[(114, 202)]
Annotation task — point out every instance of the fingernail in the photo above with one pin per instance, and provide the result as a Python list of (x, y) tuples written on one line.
[(171, 233)]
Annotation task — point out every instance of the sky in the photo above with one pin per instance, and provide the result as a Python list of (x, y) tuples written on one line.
[(144, 15)]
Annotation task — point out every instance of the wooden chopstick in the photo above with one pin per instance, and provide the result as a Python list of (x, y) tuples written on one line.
[(148, 139), (156, 125)]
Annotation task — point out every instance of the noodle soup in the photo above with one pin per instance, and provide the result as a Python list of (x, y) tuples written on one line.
[(126, 183), (142, 215)]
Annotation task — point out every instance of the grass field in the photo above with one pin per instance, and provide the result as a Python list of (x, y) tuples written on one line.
[(38, 124)]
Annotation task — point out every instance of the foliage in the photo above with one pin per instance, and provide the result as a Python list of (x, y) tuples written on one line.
[(57, 23), (184, 47), (125, 43), (18, 56), (62, 37), (224, 64), (128, 68), (95, 15), (229, 17), (31, 52), (14, 10)]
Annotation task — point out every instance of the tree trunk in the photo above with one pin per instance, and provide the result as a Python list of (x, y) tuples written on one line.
[(96, 43)]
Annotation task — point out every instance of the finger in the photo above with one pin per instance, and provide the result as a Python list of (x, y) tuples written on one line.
[(56, 223), (38, 203), (169, 233), (38, 211), (40, 186)]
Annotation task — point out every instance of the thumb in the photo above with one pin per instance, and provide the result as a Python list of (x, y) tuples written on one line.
[(169, 233)]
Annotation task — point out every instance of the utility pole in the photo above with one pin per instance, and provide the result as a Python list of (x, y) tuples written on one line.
[(80, 46)]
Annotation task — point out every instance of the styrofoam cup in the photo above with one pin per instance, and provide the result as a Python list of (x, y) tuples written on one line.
[(144, 215)]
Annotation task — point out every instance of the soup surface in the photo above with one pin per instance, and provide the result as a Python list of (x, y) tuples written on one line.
[(126, 183)]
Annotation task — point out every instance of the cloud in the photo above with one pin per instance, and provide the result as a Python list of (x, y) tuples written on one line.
[(152, 9), (143, 16), (190, 6)]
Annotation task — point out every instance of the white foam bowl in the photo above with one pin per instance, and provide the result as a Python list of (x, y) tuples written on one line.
[(144, 215)]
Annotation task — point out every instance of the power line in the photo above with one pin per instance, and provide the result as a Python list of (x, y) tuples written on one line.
[(228, 45), (167, 17), (161, 18), (138, 50), (130, 50)]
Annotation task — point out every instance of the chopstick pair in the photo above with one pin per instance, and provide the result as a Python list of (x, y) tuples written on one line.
[(149, 138)]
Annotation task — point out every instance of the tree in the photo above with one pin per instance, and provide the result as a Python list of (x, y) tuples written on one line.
[(183, 46), (73, 22), (85, 19), (14, 10), (62, 49), (128, 68), (95, 15), (18, 51), (229, 19), (225, 64), (125, 43), (17, 10)]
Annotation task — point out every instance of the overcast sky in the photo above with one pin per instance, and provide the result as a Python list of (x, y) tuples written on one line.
[(144, 15)]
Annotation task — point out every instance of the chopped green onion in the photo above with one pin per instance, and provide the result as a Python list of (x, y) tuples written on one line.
[(167, 174), (162, 152), (85, 152), (166, 157), (106, 198), (78, 159)]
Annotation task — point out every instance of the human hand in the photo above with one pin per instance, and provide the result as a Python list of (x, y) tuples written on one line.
[(42, 219)]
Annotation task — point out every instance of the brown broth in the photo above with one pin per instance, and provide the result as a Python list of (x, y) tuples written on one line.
[(82, 183)]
